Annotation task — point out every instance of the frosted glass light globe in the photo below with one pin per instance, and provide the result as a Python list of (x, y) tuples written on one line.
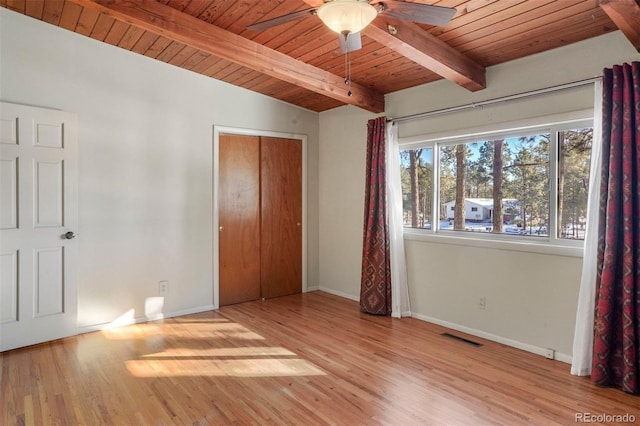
[(347, 16)]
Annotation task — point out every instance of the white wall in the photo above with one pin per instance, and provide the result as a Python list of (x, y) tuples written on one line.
[(531, 297), (343, 151), (145, 162)]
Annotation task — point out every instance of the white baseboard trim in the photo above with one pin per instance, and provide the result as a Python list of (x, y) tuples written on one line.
[(141, 319), (339, 293), (312, 288), (567, 359), (494, 338)]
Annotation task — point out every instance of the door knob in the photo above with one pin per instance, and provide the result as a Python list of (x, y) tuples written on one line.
[(221, 228), (69, 235)]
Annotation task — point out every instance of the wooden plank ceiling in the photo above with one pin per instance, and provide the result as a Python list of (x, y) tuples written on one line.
[(300, 62)]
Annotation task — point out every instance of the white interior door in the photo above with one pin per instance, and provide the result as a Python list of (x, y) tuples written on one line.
[(38, 216)]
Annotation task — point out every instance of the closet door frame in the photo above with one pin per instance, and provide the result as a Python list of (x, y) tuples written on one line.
[(217, 130)]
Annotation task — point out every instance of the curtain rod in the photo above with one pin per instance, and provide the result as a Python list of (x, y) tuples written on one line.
[(496, 100)]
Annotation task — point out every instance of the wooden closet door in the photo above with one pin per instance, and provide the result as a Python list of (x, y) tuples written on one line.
[(239, 217), (281, 227)]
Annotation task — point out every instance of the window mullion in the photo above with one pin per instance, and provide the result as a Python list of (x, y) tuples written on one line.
[(553, 185), (435, 189)]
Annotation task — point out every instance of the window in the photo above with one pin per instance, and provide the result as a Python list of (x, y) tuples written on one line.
[(573, 181), (417, 183), (527, 184)]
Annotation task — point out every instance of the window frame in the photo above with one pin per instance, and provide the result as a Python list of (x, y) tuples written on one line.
[(545, 124)]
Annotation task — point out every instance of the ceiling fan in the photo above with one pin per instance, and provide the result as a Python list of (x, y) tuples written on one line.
[(349, 17)]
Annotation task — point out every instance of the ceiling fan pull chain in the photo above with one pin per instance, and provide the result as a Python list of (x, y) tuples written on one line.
[(349, 92), (347, 67)]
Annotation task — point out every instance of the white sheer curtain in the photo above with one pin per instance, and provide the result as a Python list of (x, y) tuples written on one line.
[(583, 335), (399, 289)]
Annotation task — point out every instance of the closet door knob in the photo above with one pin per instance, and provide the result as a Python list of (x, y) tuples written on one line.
[(221, 228)]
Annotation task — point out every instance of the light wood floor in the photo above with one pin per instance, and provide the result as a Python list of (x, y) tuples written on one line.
[(305, 360)]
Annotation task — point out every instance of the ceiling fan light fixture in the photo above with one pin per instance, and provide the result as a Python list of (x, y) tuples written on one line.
[(347, 16)]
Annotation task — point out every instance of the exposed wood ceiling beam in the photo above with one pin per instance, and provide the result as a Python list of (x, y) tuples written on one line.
[(626, 15), (183, 28), (425, 49), (314, 3), (411, 41)]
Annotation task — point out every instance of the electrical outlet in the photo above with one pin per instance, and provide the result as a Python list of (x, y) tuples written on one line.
[(550, 354), (482, 303), (163, 288)]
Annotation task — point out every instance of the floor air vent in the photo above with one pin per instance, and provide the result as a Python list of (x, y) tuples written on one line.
[(462, 339)]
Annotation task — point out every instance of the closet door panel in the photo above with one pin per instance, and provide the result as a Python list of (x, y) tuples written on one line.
[(239, 218), (281, 221)]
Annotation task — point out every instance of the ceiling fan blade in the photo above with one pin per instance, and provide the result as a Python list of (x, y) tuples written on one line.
[(293, 16), (352, 42), (415, 12)]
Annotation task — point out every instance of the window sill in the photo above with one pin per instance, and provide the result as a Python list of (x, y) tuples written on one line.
[(493, 242)]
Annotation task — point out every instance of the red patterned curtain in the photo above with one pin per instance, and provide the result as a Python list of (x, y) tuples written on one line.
[(616, 349), (375, 288)]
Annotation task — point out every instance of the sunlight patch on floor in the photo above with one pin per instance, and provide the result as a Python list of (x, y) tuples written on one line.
[(255, 367), (205, 347), (221, 352), (125, 327)]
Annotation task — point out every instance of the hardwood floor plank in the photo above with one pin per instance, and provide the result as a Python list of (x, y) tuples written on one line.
[(308, 359)]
